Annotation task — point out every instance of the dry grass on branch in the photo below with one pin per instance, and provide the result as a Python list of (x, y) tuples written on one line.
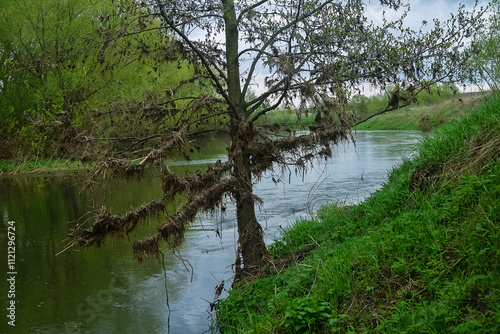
[(107, 224)]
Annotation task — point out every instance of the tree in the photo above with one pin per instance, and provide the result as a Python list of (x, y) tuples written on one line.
[(315, 52), (486, 48), (59, 61)]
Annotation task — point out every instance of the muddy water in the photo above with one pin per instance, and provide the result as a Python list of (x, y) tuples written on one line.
[(104, 291)]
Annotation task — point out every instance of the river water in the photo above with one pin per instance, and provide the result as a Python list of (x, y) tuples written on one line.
[(105, 291)]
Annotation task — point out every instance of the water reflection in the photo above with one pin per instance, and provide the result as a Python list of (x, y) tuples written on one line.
[(105, 291)]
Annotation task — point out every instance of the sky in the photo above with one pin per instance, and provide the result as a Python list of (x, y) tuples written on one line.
[(421, 10)]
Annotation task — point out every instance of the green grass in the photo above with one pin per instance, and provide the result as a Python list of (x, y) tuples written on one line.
[(422, 117), (288, 118), (39, 166), (421, 255), (425, 116)]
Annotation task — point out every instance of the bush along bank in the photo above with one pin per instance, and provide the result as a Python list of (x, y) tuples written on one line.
[(421, 255)]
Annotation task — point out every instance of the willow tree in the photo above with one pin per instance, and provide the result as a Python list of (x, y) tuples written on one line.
[(303, 54), (61, 61)]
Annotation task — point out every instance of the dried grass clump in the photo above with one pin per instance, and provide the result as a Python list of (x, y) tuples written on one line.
[(113, 167), (173, 184), (295, 150), (172, 232), (141, 248), (424, 176), (176, 140), (480, 150), (107, 224)]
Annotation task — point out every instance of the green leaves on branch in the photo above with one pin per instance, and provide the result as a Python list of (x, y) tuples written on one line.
[(90, 60)]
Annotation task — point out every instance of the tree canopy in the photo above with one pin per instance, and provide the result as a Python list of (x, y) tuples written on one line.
[(70, 70), (486, 48), (309, 54)]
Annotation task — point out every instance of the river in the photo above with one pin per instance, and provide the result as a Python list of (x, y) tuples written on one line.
[(105, 291)]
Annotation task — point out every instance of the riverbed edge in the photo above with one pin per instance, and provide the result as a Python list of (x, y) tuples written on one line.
[(42, 166), (425, 117), (422, 254)]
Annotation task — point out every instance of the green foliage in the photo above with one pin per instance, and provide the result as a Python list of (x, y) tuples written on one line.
[(305, 314), (39, 165), (425, 116), (289, 118), (92, 61), (430, 103), (486, 50), (364, 107), (422, 254)]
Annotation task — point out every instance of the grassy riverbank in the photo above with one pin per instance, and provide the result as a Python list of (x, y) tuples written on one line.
[(40, 166), (426, 116), (421, 255)]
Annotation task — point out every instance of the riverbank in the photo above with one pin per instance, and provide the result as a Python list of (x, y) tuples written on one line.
[(418, 117), (422, 117), (420, 255), (41, 166), (425, 117)]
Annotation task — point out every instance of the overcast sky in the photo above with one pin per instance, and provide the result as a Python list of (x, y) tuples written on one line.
[(421, 10)]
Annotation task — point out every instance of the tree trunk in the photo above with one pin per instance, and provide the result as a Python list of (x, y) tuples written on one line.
[(251, 246)]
